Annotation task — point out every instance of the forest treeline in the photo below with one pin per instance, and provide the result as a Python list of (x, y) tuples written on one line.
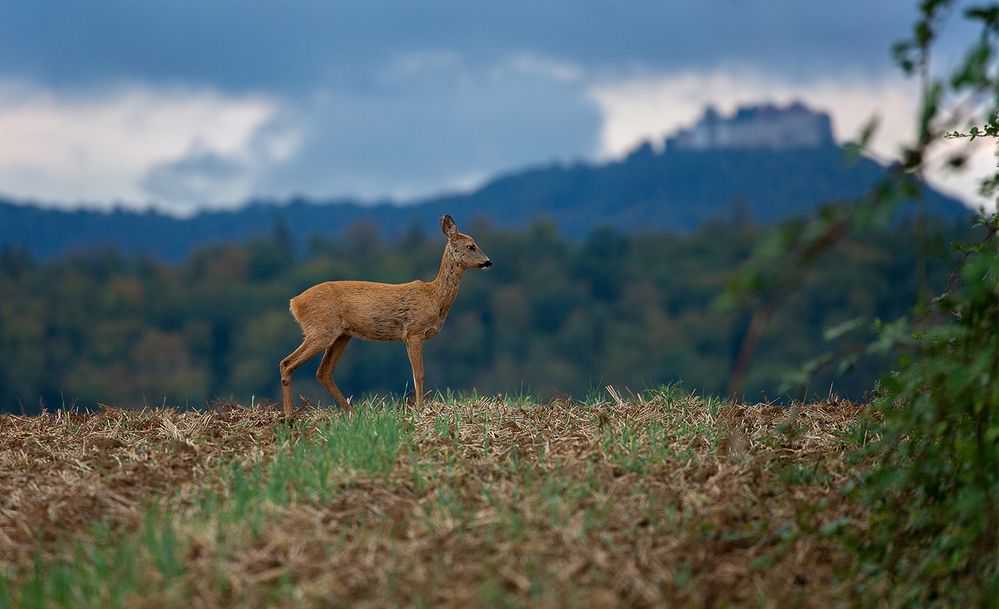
[(552, 316)]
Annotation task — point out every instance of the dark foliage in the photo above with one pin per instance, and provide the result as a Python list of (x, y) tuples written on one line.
[(552, 315)]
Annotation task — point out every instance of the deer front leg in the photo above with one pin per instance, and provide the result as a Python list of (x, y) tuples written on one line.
[(414, 347)]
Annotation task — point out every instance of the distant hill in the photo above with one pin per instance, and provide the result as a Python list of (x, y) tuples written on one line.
[(719, 168)]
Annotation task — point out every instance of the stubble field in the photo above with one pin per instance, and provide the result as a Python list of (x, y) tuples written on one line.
[(656, 499)]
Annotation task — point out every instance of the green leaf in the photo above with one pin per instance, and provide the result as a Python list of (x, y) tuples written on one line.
[(844, 328)]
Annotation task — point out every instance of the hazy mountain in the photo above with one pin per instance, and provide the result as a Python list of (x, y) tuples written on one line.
[(763, 164)]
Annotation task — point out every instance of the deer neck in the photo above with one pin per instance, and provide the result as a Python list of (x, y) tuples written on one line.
[(445, 285)]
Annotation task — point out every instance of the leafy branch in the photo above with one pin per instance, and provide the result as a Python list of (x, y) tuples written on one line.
[(782, 261), (930, 482)]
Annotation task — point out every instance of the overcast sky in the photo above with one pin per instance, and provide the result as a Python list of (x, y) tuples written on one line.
[(189, 104)]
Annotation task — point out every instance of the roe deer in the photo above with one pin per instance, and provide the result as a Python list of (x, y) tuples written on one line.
[(332, 312)]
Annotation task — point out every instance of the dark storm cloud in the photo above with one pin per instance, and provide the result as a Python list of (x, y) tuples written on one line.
[(291, 46), (435, 124)]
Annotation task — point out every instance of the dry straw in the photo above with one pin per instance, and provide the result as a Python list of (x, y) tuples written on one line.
[(650, 500)]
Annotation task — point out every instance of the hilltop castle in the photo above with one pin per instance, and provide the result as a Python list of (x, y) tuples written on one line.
[(756, 126)]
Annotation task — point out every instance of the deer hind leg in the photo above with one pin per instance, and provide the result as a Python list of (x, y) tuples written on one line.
[(414, 347), (325, 372), (307, 350)]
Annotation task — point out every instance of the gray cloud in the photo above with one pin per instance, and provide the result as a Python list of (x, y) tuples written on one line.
[(197, 176), (296, 45), (427, 122), (430, 123)]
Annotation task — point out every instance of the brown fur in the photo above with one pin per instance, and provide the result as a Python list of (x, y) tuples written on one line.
[(333, 312)]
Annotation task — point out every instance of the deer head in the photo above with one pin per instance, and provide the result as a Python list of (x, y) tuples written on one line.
[(464, 249)]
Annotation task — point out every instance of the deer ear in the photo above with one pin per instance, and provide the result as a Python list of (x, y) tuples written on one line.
[(448, 226)]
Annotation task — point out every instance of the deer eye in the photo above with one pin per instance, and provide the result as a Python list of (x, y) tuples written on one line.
[(471, 248)]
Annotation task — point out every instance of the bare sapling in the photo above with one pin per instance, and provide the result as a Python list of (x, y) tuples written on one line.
[(333, 312)]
